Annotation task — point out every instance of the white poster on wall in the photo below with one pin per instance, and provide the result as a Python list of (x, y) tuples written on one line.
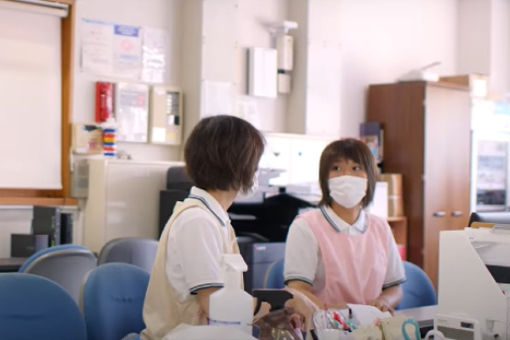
[(132, 112), (96, 47), (111, 50), (153, 55), (127, 51)]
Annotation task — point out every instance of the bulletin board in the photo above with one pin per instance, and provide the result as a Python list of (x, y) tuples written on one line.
[(35, 78)]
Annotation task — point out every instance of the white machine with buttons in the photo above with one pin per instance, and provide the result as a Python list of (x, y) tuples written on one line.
[(474, 265)]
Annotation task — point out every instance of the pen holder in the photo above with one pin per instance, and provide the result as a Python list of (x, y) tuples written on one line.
[(109, 145)]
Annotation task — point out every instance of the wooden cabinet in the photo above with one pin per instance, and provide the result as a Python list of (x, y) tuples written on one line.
[(427, 139)]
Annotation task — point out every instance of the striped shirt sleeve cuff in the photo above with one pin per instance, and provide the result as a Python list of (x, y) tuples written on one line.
[(298, 278), (393, 283), (195, 289)]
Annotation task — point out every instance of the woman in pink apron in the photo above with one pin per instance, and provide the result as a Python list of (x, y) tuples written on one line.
[(339, 253)]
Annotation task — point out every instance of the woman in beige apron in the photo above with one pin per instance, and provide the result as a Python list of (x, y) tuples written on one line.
[(222, 154)]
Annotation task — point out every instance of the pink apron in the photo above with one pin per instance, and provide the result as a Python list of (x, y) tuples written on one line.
[(354, 265)]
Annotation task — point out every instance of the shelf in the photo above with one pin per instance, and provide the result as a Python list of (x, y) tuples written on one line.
[(37, 201), (398, 226), (397, 218)]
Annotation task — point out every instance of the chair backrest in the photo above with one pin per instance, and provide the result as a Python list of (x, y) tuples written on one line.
[(138, 251), (64, 264), (112, 300), (417, 290), (34, 307), (274, 275)]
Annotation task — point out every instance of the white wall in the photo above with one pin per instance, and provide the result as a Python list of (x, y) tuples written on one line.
[(500, 49), (314, 103), (484, 42), (254, 20), (381, 40), (162, 14), (474, 19), (218, 33)]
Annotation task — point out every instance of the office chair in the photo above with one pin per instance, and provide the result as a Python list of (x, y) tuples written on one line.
[(133, 250), (64, 264), (34, 307), (274, 275), (112, 300), (417, 290)]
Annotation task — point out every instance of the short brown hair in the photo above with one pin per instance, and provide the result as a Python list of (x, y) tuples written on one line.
[(347, 149), (222, 153)]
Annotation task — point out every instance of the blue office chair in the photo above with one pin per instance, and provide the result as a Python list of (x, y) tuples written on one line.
[(112, 300), (64, 264), (417, 290), (274, 275), (138, 251), (34, 307)]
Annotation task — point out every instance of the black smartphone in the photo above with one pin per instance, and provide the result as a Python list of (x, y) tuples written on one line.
[(275, 297)]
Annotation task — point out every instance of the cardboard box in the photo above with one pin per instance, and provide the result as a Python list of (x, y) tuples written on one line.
[(87, 139), (478, 83), (395, 193)]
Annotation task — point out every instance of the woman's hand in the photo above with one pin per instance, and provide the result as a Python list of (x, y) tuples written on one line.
[(382, 304), (389, 299), (302, 307), (264, 309)]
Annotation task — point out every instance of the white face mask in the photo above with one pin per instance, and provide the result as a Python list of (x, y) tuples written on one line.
[(347, 191)]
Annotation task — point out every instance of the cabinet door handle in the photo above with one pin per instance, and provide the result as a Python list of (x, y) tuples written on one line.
[(439, 214), (457, 213)]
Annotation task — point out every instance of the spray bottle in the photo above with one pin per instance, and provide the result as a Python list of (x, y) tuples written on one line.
[(231, 305)]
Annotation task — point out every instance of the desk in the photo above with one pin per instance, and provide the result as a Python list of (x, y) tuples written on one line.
[(423, 315), (11, 264)]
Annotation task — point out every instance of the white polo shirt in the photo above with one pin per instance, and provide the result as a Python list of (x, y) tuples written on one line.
[(303, 260), (194, 246)]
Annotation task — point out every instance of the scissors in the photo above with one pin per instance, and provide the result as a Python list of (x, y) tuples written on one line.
[(417, 335)]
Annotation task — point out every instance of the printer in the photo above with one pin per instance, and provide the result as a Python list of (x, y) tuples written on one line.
[(260, 219), (474, 283), (264, 215)]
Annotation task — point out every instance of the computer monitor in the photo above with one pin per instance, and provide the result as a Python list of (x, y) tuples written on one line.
[(495, 217)]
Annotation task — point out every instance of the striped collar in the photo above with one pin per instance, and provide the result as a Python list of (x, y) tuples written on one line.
[(359, 226), (211, 204)]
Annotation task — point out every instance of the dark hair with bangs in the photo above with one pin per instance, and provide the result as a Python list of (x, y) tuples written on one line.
[(222, 153), (347, 149)]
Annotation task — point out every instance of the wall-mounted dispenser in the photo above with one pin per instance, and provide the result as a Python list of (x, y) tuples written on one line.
[(284, 50), (165, 115), (262, 71)]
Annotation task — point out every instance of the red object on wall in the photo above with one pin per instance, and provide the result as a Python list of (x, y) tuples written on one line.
[(104, 101)]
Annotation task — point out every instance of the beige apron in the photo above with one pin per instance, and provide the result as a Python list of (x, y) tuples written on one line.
[(162, 310)]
